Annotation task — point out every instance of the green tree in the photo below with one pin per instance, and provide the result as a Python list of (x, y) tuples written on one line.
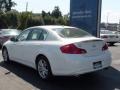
[(56, 12), (3, 21), (61, 21), (47, 20), (43, 14), (6, 5), (1, 5), (35, 21), (12, 19), (67, 19), (23, 20)]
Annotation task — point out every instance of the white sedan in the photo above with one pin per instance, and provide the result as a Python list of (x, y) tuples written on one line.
[(109, 36), (58, 50)]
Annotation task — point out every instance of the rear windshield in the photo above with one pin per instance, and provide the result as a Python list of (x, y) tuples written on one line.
[(71, 32)]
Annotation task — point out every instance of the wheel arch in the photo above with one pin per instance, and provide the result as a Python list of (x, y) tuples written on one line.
[(4, 47), (42, 55), (38, 56)]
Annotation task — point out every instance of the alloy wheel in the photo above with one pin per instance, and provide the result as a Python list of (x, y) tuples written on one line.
[(5, 55), (43, 69)]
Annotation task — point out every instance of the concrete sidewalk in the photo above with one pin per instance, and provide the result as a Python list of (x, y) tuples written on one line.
[(9, 81)]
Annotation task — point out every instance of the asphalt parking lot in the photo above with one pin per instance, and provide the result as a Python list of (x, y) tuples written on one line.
[(15, 76)]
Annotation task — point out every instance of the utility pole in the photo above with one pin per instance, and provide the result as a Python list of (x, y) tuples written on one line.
[(107, 23), (119, 26), (107, 17), (26, 6)]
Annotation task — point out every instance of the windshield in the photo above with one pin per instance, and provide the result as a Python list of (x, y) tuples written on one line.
[(71, 32)]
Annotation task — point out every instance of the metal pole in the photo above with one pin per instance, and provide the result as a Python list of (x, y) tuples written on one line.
[(99, 18), (107, 17), (26, 6)]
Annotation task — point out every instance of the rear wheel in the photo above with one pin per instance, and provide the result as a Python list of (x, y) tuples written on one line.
[(5, 55), (0, 46), (43, 68)]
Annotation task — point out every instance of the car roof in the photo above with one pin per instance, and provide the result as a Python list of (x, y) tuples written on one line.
[(52, 26)]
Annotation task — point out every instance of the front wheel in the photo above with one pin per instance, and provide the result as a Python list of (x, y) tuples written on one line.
[(111, 44), (43, 68), (5, 55)]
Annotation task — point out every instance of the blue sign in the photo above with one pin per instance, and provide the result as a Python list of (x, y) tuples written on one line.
[(86, 14)]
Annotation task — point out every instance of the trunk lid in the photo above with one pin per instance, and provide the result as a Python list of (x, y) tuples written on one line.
[(92, 45)]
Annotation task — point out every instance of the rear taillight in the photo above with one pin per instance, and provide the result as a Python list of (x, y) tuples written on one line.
[(105, 47), (72, 49), (104, 36)]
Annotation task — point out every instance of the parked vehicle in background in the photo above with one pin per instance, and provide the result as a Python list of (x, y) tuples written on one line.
[(6, 34), (58, 50), (118, 33), (109, 36)]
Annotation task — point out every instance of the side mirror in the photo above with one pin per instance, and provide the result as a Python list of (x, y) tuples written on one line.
[(13, 39)]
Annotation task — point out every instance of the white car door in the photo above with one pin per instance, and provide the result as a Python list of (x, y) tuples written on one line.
[(31, 46), (17, 47)]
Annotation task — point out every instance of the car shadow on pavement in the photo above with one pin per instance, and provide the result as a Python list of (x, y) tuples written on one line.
[(115, 45), (102, 80)]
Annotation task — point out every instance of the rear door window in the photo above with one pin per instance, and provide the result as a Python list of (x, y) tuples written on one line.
[(38, 34)]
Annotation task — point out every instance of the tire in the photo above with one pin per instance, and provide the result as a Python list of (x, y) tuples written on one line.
[(0, 46), (111, 44), (5, 55), (43, 68)]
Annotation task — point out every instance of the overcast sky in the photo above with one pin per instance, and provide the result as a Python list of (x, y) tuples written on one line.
[(110, 8)]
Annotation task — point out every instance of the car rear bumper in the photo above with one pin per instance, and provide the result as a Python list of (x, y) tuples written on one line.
[(114, 40), (76, 65)]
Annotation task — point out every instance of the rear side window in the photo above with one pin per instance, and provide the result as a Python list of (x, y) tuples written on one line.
[(35, 35), (43, 35), (71, 32), (38, 34)]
